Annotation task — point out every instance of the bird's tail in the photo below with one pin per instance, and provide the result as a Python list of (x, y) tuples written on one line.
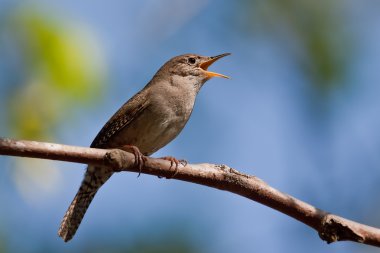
[(94, 178)]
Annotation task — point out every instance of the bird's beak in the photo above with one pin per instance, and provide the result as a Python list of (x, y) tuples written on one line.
[(211, 60)]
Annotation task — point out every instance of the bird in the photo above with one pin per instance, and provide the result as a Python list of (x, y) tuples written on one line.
[(145, 123)]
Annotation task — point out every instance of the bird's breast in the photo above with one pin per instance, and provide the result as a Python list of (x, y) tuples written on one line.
[(161, 121)]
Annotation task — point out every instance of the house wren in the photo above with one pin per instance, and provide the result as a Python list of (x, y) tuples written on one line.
[(146, 122)]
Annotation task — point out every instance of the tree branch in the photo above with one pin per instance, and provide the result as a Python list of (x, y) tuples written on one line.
[(330, 227)]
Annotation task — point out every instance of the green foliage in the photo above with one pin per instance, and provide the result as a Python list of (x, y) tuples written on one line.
[(61, 66), (314, 33)]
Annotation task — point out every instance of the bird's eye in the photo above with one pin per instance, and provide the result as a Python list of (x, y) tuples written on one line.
[(191, 60)]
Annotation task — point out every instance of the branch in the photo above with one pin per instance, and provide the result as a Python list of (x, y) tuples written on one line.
[(330, 227)]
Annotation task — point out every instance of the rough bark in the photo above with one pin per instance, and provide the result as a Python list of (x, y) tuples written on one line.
[(330, 227)]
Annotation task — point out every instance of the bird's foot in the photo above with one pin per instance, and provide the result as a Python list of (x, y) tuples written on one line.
[(176, 162), (139, 157)]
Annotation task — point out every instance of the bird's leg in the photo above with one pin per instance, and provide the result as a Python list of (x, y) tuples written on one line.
[(175, 161), (139, 157)]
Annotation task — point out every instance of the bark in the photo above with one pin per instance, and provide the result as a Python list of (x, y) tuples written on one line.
[(330, 227)]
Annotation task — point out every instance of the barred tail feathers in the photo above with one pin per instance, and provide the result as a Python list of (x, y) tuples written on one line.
[(94, 178)]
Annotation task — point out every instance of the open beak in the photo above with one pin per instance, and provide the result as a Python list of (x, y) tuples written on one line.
[(208, 63)]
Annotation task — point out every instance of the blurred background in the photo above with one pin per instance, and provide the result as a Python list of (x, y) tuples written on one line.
[(301, 111)]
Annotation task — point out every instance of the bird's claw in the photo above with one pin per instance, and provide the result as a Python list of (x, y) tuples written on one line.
[(139, 157), (183, 162), (176, 162)]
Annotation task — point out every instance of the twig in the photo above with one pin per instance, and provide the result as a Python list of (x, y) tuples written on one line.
[(330, 227)]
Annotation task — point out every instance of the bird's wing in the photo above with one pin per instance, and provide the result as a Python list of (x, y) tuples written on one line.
[(127, 113)]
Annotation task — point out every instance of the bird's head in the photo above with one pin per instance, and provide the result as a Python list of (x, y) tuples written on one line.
[(190, 69)]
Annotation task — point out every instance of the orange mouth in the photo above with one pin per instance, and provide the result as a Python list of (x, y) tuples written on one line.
[(208, 63)]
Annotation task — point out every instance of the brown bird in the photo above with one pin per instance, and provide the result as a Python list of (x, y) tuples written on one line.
[(146, 122)]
